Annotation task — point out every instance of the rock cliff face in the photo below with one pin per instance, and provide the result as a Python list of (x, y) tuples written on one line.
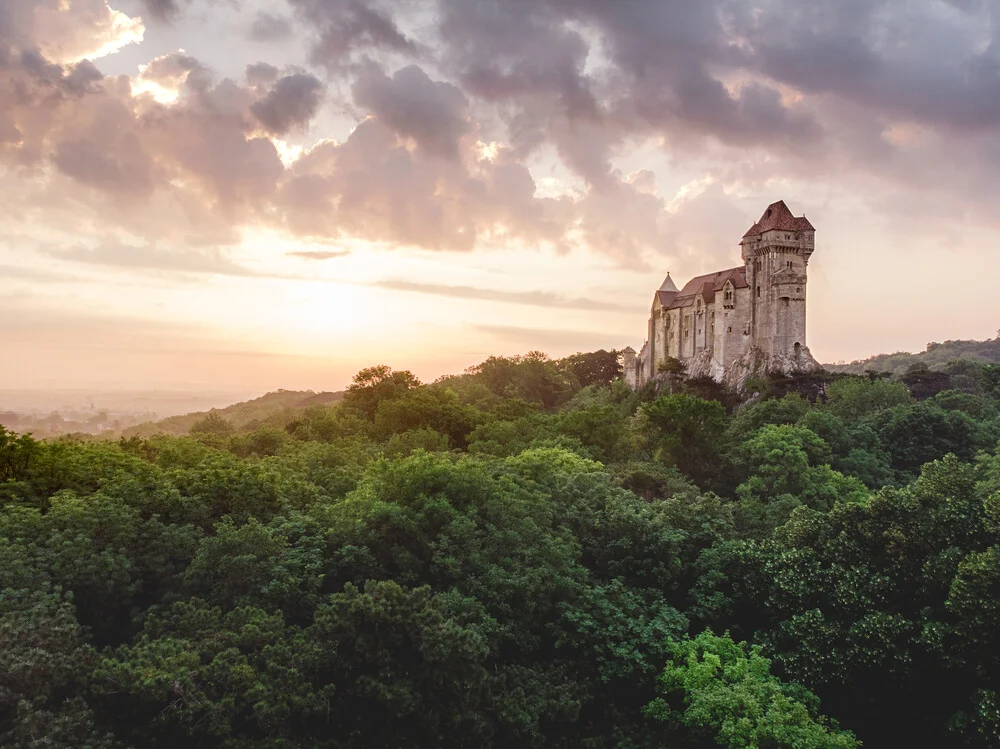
[(756, 363), (703, 364)]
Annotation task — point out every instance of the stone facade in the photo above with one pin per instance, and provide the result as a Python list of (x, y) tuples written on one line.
[(736, 323)]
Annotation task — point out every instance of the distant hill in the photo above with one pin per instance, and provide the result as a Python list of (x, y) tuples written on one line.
[(935, 355), (276, 408)]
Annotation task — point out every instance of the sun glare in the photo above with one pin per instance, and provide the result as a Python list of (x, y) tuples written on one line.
[(62, 42)]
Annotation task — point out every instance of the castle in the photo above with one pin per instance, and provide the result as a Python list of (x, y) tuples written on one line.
[(741, 322)]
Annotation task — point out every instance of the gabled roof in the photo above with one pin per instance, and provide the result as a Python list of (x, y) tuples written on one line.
[(777, 216), (666, 297), (704, 286)]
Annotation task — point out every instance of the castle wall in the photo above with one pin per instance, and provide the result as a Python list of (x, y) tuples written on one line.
[(766, 319), (674, 348), (732, 330), (776, 272)]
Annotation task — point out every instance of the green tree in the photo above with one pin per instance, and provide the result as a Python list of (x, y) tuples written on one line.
[(374, 385), (273, 567), (919, 433), (532, 377), (723, 694), (686, 432), (47, 666), (787, 461), (16, 455), (853, 398), (671, 366), (213, 424), (601, 428), (747, 420), (596, 368), (429, 407)]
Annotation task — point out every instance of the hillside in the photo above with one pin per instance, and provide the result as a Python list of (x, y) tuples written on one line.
[(934, 356), (527, 554), (273, 408)]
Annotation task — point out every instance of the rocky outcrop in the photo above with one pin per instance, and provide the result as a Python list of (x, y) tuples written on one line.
[(756, 363), (702, 364)]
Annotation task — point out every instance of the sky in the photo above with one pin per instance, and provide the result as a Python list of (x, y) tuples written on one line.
[(252, 194)]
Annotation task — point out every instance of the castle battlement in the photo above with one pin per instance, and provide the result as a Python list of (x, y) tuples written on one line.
[(756, 312)]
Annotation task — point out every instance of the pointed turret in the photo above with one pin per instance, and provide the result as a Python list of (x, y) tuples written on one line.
[(668, 284)]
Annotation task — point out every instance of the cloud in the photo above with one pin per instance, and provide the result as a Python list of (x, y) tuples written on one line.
[(22, 273), (532, 298), (433, 113), (163, 9), (261, 74), (291, 103), (164, 76), (267, 27), (932, 64), (119, 165), (119, 255), (319, 254), (762, 90), (346, 27), (68, 32), (373, 186)]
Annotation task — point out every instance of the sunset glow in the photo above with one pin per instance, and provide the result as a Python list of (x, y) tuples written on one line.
[(223, 175)]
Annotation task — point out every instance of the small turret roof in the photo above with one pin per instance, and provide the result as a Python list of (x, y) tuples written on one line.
[(668, 284), (777, 216)]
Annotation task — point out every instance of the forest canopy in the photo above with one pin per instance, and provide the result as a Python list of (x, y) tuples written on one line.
[(528, 554)]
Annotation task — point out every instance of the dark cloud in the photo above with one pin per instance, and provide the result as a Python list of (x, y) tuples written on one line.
[(291, 103), (261, 74), (164, 9), (584, 76), (761, 90), (925, 64), (119, 166), (433, 113), (345, 27), (267, 27), (532, 298)]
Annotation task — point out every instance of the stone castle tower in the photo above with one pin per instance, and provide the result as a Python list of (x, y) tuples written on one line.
[(740, 322)]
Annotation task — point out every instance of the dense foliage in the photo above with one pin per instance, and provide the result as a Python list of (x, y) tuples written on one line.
[(529, 554)]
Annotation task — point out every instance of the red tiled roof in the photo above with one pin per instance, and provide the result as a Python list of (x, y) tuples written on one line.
[(777, 216), (666, 297), (706, 285)]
